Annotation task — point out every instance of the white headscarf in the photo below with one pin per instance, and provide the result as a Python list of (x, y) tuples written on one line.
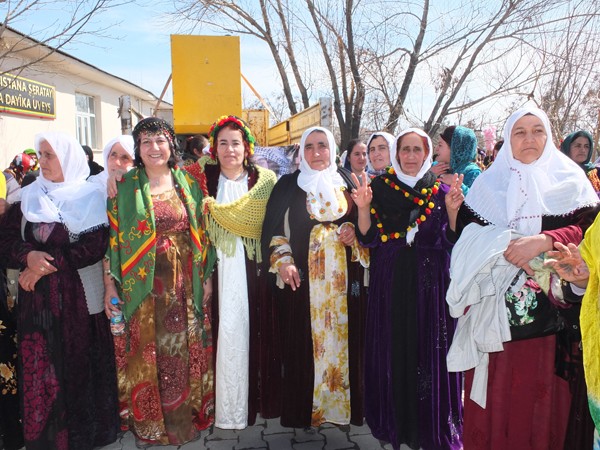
[(389, 139), (323, 187), (75, 203), (407, 179), (126, 141), (516, 195)]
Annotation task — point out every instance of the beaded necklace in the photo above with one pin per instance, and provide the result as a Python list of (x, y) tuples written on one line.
[(426, 206)]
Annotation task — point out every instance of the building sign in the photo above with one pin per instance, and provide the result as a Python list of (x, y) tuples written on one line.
[(22, 96)]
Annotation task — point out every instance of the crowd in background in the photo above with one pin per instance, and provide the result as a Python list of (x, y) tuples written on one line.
[(436, 292)]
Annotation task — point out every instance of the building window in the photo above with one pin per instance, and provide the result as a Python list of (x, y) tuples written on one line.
[(86, 120)]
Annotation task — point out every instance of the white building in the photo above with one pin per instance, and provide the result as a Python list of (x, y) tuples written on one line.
[(62, 93)]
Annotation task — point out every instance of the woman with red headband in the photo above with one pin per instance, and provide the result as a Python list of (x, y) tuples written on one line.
[(238, 192)]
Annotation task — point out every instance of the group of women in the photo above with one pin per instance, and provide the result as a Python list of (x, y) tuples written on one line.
[(245, 294)]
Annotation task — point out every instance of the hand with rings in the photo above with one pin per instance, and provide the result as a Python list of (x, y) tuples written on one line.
[(289, 274), (39, 263)]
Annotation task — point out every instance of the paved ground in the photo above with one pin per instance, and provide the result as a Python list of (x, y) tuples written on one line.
[(268, 434)]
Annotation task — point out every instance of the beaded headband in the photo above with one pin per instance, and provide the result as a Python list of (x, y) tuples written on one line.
[(220, 123), (154, 125)]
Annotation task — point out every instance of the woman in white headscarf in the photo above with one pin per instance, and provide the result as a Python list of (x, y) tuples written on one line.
[(314, 256), (541, 197), (410, 398), (58, 237), (118, 156), (378, 152)]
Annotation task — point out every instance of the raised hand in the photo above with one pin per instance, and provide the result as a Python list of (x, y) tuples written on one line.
[(454, 198), (568, 264), (362, 194), (440, 168)]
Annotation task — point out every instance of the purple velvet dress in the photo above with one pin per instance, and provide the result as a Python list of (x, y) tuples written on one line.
[(410, 397), (66, 359)]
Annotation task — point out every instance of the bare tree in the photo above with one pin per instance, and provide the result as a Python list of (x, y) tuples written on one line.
[(409, 61), (568, 88), (476, 52), (75, 23)]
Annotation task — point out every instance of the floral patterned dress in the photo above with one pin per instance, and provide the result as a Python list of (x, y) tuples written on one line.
[(164, 360), (322, 322)]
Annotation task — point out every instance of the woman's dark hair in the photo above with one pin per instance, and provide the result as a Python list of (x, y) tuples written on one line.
[(248, 160), (154, 126), (349, 147), (88, 151), (352, 143), (447, 134), (196, 142)]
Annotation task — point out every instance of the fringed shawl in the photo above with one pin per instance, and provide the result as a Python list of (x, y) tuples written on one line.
[(242, 218)]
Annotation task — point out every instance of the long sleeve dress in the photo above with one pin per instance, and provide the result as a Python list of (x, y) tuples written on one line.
[(238, 285), (165, 359), (410, 396), (321, 324), (528, 403), (66, 359)]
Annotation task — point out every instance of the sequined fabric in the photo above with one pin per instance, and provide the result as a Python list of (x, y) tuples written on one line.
[(166, 374)]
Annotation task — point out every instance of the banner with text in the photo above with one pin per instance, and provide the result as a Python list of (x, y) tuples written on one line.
[(20, 95)]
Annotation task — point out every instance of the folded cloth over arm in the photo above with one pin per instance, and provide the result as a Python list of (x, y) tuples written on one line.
[(480, 276)]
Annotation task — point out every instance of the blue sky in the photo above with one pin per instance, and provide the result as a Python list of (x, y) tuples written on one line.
[(137, 46)]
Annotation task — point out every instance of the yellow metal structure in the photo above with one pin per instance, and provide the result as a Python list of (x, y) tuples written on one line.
[(206, 81), (258, 121), (290, 131)]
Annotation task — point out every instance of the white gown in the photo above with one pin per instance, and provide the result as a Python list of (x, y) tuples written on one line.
[(231, 375)]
